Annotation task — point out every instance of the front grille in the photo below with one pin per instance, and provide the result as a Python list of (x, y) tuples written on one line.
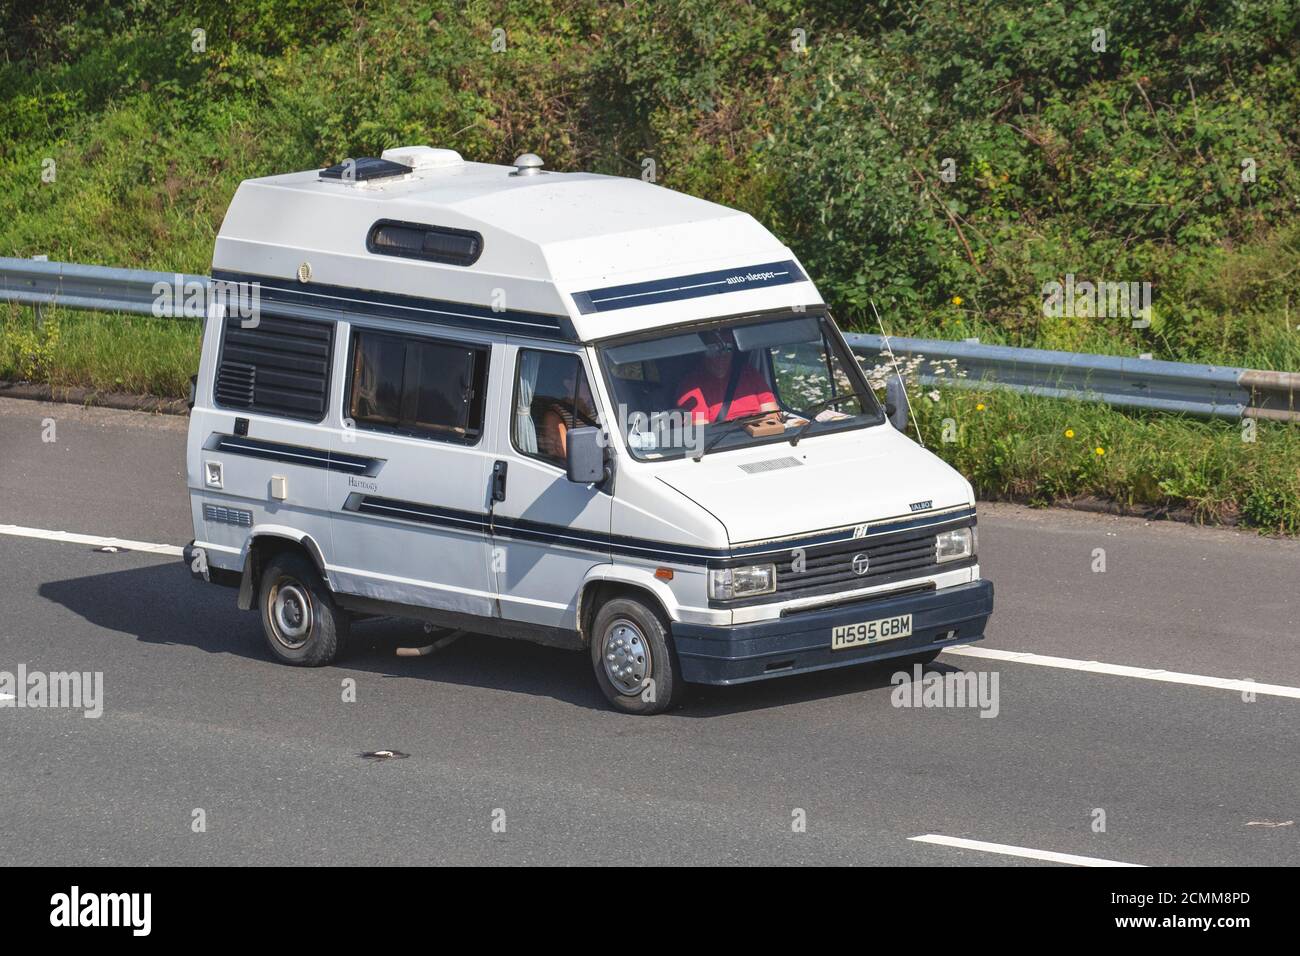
[(829, 568)]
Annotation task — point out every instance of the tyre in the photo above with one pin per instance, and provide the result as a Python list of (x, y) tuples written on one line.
[(303, 625), (632, 655)]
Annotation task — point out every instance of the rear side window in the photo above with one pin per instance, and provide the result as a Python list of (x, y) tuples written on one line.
[(417, 386), (278, 367), (411, 240)]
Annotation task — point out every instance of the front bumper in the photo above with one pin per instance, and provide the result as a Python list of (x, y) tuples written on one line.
[(801, 642)]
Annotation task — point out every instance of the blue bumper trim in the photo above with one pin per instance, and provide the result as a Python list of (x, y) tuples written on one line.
[(799, 643)]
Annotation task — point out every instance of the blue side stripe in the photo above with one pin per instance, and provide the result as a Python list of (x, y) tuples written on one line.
[(688, 287), (519, 529), (303, 455), (412, 511), (331, 301)]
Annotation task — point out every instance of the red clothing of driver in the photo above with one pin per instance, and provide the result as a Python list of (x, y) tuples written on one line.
[(705, 389)]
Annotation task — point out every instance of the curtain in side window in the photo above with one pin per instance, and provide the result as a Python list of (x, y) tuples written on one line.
[(525, 429)]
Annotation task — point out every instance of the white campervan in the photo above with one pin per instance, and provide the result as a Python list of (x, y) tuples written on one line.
[(576, 409)]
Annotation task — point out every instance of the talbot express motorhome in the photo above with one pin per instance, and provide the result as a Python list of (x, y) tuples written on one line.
[(577, 409)]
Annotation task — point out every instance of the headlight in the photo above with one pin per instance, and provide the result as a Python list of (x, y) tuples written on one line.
[(728, 584), (954, 545)]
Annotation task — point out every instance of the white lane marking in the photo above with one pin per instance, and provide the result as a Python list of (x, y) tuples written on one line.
[(1022, 851), (68, 537), (1123, 670)]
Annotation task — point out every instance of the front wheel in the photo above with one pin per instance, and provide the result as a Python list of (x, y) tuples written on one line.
[(303, 625), (633, 657)]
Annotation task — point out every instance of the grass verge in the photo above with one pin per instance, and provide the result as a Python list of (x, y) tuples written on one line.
[(118, 353), (1041, 450)]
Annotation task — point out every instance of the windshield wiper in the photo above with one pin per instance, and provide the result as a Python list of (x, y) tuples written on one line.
[(728, 427), (811, 413)]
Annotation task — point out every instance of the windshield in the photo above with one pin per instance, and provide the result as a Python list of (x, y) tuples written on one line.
[(735, 384)]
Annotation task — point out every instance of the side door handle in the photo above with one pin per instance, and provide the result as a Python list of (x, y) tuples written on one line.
[(499, 481)]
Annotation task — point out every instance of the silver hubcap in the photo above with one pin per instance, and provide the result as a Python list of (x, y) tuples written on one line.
[(626, 655), (291, 614)]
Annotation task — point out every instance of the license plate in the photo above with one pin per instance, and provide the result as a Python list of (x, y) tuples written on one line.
[(871, 632)]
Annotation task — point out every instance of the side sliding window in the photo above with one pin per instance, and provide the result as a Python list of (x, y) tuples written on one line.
[(409, 385)]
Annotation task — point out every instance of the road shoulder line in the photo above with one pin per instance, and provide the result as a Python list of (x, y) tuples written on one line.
[(1029, 853), (1124, 670), (68, 537)]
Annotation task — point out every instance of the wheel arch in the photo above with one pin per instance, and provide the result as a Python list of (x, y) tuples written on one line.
[(602, 587), (262, 546)]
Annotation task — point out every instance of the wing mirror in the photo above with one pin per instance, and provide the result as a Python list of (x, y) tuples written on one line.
[(896, 406), (586, 461)]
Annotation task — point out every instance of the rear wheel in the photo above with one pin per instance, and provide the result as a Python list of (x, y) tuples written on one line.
[(302, 624), (633, 657)]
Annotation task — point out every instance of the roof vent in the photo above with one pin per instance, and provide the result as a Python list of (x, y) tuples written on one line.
[(364, 169), (529, 164), (423, 157)]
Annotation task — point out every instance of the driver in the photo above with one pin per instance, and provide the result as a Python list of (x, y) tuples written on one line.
[(560, 416), (703, 390)]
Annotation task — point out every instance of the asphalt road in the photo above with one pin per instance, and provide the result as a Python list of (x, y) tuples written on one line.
[(197, 716)]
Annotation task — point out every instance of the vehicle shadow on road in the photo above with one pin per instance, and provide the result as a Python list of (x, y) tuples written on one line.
[(160, 604)]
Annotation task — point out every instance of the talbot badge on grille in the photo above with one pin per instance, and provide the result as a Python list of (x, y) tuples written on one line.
[(922, 505), (861, 563), (860, 531)]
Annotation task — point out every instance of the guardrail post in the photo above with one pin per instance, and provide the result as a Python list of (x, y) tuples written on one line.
[(40, 313)]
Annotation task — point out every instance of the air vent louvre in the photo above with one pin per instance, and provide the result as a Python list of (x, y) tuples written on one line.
[(771, 464), (235, 516), (280, 366), (235, 383)]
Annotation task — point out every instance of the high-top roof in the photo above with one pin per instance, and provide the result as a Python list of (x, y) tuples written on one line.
[(610, 254)]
